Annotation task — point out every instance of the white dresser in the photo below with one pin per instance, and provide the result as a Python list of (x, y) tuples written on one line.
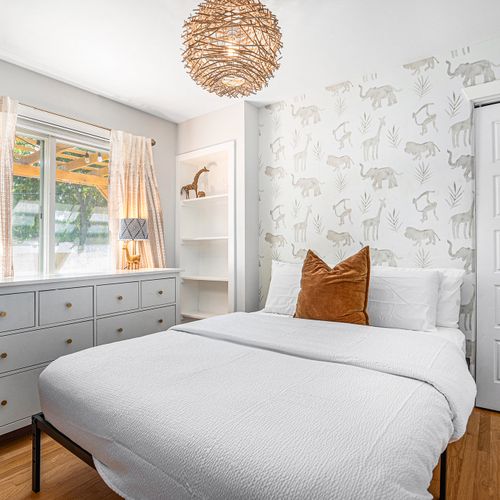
[(47, 317)]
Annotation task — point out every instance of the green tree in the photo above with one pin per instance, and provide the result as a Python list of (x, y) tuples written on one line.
[(26, 189), (83, 201)]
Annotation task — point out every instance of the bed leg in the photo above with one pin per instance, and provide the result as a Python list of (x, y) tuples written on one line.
[(442, 477), (36, 435)]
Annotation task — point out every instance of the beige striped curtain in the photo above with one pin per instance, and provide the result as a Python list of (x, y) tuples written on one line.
[(133, 192), (8, 120)]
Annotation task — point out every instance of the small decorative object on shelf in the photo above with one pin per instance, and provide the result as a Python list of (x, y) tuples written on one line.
[(194, 185), (133, 229), (201, 194)]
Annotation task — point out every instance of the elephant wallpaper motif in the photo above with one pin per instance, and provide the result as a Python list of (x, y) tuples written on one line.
[(384, 160)]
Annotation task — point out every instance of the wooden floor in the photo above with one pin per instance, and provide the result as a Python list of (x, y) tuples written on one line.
[(473, 467), (63, 475)]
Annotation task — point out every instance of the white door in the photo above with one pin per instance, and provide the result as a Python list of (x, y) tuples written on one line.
[(487, 124)]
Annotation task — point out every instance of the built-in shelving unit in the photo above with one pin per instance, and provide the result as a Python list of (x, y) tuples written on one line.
[(207, 200), (188, 315), (205, 233), (206, 238), (205, 278)]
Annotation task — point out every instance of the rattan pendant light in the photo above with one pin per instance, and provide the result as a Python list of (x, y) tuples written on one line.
[(231, 47)]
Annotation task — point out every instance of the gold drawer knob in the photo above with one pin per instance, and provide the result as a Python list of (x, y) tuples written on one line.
[(3, 314), (4, 402), (160, 321), (120, 297), (119, 330), (69, 305), (3, 355), (160, 292), (69, 341)]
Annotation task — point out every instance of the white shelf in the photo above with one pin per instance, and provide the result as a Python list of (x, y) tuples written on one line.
[(206, 278), (197, 315), (207, 200), (206, 238), (205, 232)]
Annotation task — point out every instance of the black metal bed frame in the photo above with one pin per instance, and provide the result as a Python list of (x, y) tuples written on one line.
[(39, 425)]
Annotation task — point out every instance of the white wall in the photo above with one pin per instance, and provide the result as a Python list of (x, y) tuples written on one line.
[(37, 90), (235, 123)]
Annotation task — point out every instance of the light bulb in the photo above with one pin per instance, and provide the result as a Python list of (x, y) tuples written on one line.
[(233, 81)]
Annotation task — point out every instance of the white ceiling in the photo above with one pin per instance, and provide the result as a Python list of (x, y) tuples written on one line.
[(130, 50)]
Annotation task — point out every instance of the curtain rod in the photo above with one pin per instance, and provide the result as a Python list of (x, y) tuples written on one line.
[(153, 142)]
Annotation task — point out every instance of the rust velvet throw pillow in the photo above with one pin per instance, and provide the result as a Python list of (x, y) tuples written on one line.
[(335, 294)]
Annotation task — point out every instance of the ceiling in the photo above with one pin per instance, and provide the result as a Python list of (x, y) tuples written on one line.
[(130, 51)]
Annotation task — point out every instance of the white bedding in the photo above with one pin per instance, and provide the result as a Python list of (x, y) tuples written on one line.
[(452, 334), (254, 406)]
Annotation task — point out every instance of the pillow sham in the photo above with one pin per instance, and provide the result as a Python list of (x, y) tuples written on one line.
[(284, 288), (403, 298), (335, 294), (448, 307)]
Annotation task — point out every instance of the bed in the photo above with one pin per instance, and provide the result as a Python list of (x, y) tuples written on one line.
[(256, 406)]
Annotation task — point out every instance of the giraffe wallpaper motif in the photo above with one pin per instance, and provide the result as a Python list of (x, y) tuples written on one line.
[(384, 159)]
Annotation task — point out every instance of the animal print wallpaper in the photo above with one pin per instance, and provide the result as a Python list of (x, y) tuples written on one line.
[(383, 159)]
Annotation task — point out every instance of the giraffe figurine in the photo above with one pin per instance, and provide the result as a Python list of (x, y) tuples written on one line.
[(194, 185), (133, 260)]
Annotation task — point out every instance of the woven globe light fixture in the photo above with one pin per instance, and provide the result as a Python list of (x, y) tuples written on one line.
[(231, 47)]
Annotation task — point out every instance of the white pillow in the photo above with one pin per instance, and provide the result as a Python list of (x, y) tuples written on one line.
[(284, 288), (448, 308), (403, 298)]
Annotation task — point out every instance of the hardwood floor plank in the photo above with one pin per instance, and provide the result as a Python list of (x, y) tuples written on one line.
[(64, 476), (484, 432), (466, 478), (495, 454), (473, 467)]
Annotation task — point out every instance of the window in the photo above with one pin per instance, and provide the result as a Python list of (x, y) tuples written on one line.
[(27, 204), (60, 221), (81, 209)]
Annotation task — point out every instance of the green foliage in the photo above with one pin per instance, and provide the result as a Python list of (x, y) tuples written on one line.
[(26, 189), (81, 202)]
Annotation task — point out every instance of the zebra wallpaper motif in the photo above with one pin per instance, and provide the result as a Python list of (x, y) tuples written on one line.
[(385, 160)]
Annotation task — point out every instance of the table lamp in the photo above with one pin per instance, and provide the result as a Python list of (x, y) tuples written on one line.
[(133, 229)]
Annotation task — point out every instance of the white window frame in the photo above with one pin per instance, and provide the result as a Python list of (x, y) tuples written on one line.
[(32, 125)]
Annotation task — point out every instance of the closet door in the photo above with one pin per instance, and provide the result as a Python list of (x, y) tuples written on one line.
[(488, 256)]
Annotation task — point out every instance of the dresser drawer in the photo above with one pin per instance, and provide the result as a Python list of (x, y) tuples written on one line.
[(66, 304), (19, 396), (17, 310), (42, 346), (158, 292), (118, 297), (133, 325)]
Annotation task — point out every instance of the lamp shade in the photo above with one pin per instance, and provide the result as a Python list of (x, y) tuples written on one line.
[(133, 229)]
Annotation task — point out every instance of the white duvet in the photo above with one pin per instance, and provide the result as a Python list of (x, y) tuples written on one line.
[(251, 406)]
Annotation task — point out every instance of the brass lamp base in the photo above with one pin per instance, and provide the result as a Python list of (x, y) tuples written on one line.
[(133, 260)]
